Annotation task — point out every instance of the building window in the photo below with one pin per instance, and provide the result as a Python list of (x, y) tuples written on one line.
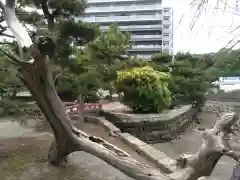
[(149, 43), (102, 15), (166, 26), (98, 5), (147, 13), (144, 3), (166, 9), (122, 14), (166, 17), (146, 33)]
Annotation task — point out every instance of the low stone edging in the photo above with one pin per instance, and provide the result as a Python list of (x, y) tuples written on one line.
[(153, 128), (164, 162), (103, 122)]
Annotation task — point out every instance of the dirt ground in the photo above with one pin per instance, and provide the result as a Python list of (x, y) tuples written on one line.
[(23, 156)]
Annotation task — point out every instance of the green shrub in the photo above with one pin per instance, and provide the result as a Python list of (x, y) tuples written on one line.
[(189, 80), (145, 90), (188, 83)]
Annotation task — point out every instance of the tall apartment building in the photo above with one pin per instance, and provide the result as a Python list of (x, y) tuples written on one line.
[(150, 25)]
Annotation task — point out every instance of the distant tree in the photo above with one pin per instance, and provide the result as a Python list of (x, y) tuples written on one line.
[(8, 80), (161, 58), (162, 61), (107, 50), (82, 80), (188, 82), (226, 63)]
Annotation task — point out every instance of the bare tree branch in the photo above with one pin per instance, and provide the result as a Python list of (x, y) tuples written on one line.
[(12, 57), (6, 35), (15, 26), (6, 43)]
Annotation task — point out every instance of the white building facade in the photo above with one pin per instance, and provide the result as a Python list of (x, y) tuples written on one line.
[(150, 25)]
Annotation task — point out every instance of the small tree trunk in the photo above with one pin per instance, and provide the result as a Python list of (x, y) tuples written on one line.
[(109, 74), (81, 108), (111, 94), (14, 94)]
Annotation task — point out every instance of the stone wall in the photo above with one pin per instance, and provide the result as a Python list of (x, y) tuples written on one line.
[(153, 128)]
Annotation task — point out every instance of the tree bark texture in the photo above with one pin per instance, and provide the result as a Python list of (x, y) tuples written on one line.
[(80, 102), (38, 78)]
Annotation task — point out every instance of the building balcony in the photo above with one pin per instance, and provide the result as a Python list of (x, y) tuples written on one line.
[(167, 38), (169, 13), (146, 48), (146, 37), (131, 8), (167, 31), (167, 48), (105, 1), (136, 54), (135, 28), (167, 22), (144, 56), (169, 51), (112, 1), (112, 19)]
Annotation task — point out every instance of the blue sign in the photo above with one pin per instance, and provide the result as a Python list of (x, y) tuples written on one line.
[(231, 78)]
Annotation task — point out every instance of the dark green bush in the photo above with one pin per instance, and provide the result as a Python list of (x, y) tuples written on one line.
[(188, 83)]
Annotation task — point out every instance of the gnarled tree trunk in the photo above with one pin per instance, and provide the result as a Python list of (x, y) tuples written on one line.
[(38, 78)]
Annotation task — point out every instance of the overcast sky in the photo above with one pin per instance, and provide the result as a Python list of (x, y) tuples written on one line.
[(211, 31)]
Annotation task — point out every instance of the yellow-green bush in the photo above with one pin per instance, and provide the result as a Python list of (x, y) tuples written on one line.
[(145, 90)]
